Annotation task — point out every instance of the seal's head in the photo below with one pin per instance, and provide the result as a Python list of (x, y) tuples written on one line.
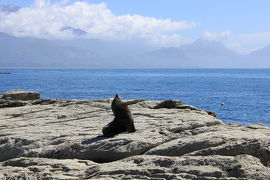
[(117, 99), (116, 103)]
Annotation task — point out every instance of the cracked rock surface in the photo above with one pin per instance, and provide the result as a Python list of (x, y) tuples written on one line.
[(61, 139)]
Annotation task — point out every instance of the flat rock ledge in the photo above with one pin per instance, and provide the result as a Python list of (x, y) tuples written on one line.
[(61, 139)]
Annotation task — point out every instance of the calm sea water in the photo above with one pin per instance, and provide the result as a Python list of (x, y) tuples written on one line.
[(245, 92)]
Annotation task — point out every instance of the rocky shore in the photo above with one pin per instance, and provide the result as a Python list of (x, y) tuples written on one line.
[(61, 139)]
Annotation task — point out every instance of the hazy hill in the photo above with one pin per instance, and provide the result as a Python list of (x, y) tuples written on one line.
[(201, 53), (108, 48), (258, 59), (33, 52), (264, 52)]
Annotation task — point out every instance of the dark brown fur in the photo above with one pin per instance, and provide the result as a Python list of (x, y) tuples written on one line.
[(123, 121)]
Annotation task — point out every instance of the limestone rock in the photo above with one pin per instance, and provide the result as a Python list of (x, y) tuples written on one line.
[(211, 113), (168, 104), (229, 142), (41, 168), (186, 167), (9, 103), (240, 167), (20, 95), (61, 139), (186, 106)]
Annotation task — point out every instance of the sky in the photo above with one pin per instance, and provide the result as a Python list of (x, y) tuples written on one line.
[(242, 25)]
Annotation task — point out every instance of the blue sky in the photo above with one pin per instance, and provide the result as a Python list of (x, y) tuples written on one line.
[(241, 16), (235, 22)]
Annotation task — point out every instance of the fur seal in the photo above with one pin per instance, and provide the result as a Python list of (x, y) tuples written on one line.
[(123, 121)]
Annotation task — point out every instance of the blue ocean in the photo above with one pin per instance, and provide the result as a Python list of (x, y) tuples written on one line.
[(244, 92)]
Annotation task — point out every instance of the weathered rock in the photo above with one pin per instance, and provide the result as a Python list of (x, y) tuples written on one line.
[(8, 103), (241, 167), (20, 95), (44, 101), (70, 131), (135, 101), (168, 104), (228, 142), (41, 168), (186, 167), (169, 143), (186, 106), (211, 113)]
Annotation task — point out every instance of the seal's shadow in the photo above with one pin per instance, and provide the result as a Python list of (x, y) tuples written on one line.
[(95, 139)]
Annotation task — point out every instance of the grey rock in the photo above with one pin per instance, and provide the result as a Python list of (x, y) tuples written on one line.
[(186, 167), (229, 142), (44, 101), (240, 167), (211, 113), (9, 103), (168, 104), (135, 101), (20, 95), (61, 139), (186, 106), (41, 168)]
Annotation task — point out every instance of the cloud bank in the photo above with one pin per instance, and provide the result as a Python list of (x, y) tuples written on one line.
[(245, 43), (62, 21), (217, 35), (241, 43)]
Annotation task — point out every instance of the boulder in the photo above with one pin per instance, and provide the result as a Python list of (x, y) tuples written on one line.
[(20, 95), (168, 104)]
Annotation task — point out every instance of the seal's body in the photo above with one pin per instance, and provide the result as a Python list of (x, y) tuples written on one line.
[(123, 121)]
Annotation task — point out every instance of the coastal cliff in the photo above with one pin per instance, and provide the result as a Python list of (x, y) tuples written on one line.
[(61, 139)]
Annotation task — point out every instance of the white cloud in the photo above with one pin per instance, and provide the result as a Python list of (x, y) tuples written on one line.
[(46, 20), (217, 35), (241, 43), (245, 43)]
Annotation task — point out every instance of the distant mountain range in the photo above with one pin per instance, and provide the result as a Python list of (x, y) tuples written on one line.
[(32, 52)]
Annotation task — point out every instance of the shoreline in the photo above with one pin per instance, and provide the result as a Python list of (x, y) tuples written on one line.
[(61, 139)]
